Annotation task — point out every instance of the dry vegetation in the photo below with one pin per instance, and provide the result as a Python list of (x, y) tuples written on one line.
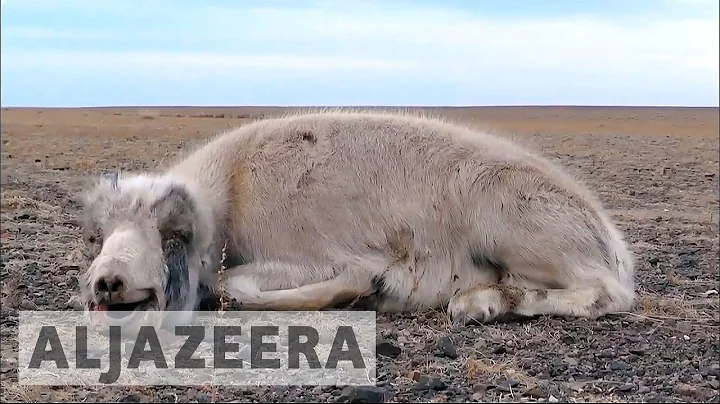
[(655, 168)]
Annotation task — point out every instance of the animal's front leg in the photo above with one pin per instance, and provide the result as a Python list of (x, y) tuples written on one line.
[(268, 290)]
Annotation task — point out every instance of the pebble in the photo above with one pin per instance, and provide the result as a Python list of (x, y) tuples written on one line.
[(626, 387), (535, 392), (430, 383), (446, 348), (618, 365), (202, 398), (130, 398), (362, 394), (689, 390), (27, 305), (552, 399), (684, 326), (637, 351), (510, 383), (607, 353), (480, 344), (7, 364), (571, 361), (712, 370), (387, 348), (500, 350)]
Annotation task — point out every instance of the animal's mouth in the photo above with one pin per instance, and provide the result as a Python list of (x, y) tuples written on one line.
[(150, 303)]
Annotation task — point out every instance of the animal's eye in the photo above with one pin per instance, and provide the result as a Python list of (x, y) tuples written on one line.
[(94, 239)]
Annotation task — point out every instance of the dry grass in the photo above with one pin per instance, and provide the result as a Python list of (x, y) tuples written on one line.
[(484, 368), (661, 307), (17, 393), (14, 201), (148, 114), (223, 295), (702, 312)]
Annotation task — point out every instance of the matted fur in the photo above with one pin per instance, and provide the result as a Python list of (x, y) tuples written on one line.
[(325, 206)]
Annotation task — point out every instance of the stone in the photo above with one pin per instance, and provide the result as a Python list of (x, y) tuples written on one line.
[(386, 348), (446, 348), (362, 394)]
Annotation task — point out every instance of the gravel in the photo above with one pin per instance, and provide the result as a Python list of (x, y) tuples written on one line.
[(665, 351)]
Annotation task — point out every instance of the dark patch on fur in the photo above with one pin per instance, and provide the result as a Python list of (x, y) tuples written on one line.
[(234, 259), (401, 243), (510, 295), (92, 239), (484, 262), (367, 303), (308, 137), (175, 212), (176, 218), (177, 277), (207, 301), (378, 282), (305, 179)]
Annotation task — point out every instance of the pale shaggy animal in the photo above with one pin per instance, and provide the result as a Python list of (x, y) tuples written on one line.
[(323, 207)]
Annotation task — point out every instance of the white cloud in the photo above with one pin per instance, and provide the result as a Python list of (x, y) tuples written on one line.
[(123, 60), (567, 43), (380, 38)]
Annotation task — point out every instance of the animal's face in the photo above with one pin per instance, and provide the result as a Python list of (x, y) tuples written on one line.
[(138, 233)]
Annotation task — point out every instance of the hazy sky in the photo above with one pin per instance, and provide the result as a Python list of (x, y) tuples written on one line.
[(359, 52)]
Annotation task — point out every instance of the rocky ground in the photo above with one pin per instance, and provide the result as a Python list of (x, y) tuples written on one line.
[(656, 169)]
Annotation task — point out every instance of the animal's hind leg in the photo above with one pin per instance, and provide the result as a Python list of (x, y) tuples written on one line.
[(484, 303)]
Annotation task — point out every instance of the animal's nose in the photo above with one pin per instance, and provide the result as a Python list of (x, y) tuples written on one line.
[(109, 287)]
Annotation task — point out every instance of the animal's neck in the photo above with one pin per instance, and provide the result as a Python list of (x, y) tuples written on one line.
[(214, 174), (203, 174)]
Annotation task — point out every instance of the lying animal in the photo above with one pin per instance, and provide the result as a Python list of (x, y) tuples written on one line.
[(320, 208)]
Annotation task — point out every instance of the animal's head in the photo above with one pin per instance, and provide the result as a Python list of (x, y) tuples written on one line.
[(139, 233)]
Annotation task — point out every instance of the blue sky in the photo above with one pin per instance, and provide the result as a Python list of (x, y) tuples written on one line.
[(359, 52)]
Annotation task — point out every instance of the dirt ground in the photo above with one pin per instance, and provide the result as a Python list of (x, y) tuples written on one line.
[(655, 168)]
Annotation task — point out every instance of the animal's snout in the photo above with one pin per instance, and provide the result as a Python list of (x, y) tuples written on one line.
[(110, 288)]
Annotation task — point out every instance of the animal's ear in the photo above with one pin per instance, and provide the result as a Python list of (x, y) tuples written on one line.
[(96, 188), (111, 178), (176, 214)]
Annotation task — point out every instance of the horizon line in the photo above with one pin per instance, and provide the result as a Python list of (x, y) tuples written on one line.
[(128, 106)]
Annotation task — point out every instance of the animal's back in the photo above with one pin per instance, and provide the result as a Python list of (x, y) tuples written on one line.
[(305, 186)]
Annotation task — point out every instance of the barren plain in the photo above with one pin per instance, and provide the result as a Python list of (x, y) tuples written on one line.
[(656, 169)]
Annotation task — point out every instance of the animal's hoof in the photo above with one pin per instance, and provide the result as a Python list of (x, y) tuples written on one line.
[(481, 306)]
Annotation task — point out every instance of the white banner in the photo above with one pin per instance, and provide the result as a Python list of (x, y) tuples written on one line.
[(232, 348)]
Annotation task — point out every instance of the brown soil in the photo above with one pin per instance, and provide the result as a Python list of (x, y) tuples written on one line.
[(655, 168)]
